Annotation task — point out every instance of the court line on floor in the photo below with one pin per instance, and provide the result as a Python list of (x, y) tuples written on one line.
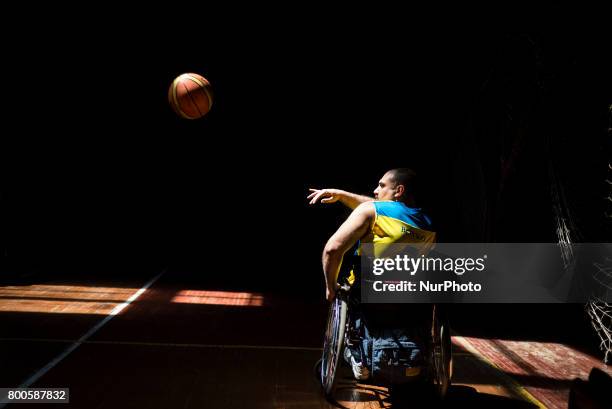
[(28, 382), (164, 344), (508, 381)]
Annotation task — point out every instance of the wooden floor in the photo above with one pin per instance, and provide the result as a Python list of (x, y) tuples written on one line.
[(164, 341)]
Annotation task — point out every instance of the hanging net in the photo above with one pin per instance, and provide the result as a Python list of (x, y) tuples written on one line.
[(600, 312), (569, 232)]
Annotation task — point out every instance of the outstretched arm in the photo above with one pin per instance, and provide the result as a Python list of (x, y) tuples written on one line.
[(353, 229), (348, 199)]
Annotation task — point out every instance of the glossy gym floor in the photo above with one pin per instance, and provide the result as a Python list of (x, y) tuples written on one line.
[(166, 340)]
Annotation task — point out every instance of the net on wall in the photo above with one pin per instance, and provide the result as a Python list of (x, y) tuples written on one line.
[(600, 312)]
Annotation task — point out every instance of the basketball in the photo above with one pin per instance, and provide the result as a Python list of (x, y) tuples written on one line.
[(190, 96)]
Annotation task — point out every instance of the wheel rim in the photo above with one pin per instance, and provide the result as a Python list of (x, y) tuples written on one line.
[(333, 343), (442, 360), (441, 354)]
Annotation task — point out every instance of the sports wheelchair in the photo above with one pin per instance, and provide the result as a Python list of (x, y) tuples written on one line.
[(437, 351)]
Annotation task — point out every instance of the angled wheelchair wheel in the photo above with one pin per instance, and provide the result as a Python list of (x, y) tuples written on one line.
[(333, 343), (441, 354)]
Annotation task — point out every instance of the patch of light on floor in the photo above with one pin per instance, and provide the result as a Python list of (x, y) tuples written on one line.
[(62, 299), (236, 299)]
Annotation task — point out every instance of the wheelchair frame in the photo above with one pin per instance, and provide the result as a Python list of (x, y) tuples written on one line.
[(439, 367)]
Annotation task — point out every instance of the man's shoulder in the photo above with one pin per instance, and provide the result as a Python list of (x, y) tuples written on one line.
[(366, 208)]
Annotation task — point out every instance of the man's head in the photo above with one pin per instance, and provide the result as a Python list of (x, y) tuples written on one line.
[(397, 185)]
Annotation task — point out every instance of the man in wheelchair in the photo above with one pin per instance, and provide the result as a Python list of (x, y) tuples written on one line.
[(390, 217)]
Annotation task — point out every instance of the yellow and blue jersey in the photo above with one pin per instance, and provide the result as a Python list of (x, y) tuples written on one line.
[(395, 223)]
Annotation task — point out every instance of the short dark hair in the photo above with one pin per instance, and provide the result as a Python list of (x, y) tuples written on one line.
[(405, 177)]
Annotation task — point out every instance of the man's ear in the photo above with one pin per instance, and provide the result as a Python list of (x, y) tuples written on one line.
[(400, 191)]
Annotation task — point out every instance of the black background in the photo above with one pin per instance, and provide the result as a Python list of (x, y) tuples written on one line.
[(100, 174)]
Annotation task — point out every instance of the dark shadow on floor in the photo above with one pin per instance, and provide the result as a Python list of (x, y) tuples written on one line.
[(458, 397)]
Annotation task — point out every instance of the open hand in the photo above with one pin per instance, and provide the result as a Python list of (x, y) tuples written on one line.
[(323, 195)]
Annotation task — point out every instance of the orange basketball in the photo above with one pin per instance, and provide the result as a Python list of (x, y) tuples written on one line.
[(190, 96)]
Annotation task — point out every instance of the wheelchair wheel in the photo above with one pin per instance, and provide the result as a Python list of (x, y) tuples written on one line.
[(333, 343), (442, 358)]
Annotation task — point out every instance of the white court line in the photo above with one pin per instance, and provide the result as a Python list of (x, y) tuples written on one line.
[(75, 345), (166, 344)]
